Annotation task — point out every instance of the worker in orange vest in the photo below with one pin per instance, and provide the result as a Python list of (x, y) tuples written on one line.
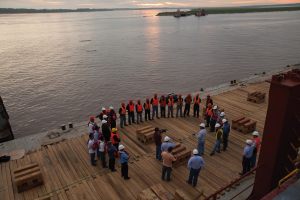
[(197, 102), (154, 102), (170, 106), (208, 101), (147, 106), (139, 111), (162, 103), (115, 137), (179, 105), (122, 112), (208, 114), (188, 101), (130, 109)]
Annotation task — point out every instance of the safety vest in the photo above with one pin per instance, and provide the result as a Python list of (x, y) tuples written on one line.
[(147, 106), (209, 112), (131, 107), (155, 102), (197, 101), (123, 111), (112, 138), (179, 102), (163, 103), (139, 107), (171, 102)]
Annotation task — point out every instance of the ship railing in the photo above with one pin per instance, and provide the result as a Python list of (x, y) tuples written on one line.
[(232, 184)]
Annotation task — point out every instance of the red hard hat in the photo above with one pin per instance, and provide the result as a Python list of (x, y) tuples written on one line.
[(92, 118)]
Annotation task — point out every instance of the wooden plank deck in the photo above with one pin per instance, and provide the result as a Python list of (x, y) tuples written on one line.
[(68, 174)]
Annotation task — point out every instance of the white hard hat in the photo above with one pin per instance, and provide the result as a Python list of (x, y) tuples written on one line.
[(103, 109), (202, 125), (121, 147), (111, 107), (166, 139), (255, 133), (104, 121), (222, 114), (104, 116), (215, 107), (195, 152), (249, 142), (224, 120), (217, 125)]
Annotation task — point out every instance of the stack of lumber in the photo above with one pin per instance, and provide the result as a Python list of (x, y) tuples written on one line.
[(244, 125), (145, 134), (182, 154), (27, 177), (256, 97)]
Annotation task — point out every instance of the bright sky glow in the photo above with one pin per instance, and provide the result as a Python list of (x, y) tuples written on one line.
[(133, 3)]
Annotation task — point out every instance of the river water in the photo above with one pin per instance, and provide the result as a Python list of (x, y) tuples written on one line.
[(63, 67)]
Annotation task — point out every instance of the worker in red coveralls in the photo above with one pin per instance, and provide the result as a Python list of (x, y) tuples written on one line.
[(257, 142), (130, 109)]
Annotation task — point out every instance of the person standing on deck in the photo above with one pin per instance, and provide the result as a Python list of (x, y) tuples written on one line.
[(112, 151), (188, 101), (157, 139), (226, 131), (221, 117), (103, 112), (105, 130), (124, 156), (214, 118), (208, 101), (92, 125), (195, 164), (92, 149), (219, 135), (162, 103), (115, 137), (208, 114), (147, 106), (112, 117), (168, 159), (201, 139), (130, 109), (197, 102), (179, 105), (154, 102), (139, 111), (122, 112), (102, 152), (170, 106), (166, 144), (257, 142), (247, 155)]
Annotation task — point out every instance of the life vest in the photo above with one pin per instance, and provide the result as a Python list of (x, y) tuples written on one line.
[(197, 101), (123, 112), (155, 102), (113, 141), (147, 106), (131, 107), (139, 108), (179, 102), (163, 103), (171, 102)]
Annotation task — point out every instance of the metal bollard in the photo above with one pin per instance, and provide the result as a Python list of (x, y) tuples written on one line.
[(63, 127), (70, 125)]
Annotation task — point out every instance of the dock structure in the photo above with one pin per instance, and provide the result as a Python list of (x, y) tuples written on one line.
[(68, 174)]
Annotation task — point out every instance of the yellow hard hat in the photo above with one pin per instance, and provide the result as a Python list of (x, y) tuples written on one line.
[(114, 130)]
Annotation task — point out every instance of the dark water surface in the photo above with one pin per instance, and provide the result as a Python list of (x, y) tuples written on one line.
[(61, 67)]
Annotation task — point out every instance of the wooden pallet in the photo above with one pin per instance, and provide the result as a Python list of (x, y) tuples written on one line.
[(244, 125), (155, 192), (256, 97), (182, 155), (27, 177), (145, 134)]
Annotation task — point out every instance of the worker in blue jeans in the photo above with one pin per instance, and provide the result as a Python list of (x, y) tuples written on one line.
[(219, 134), (195, 164)]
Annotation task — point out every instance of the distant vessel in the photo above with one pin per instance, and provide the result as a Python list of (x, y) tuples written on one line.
[(178, 13), (200, 13)]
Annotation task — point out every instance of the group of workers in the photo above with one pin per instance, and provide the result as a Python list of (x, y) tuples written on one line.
[(107, 139)]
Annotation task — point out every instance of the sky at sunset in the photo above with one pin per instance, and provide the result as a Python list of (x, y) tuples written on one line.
[(133, 3)]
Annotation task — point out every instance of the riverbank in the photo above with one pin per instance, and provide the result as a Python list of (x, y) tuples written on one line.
[(233, 10), (35, 141)]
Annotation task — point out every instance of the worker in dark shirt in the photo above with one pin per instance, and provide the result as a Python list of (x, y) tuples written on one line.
[(157, 140)]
